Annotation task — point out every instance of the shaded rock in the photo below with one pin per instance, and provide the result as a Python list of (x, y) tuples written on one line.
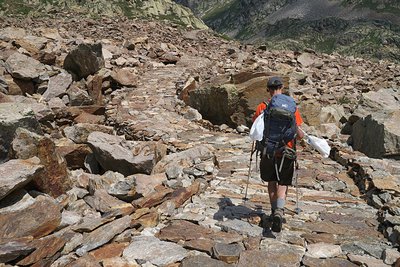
[(84, 60), (58, 85), (116, 154), (103, 202), (80, 132), (35, 219), (151, 249), (15, 174), (24, 67), (12, 116), (12, 249), (74, 154), (54, 180), (19, 87), (103, 234), (46, 247), (115, 184), (228, 253), (377, 135), (78, 96), (202, 261)]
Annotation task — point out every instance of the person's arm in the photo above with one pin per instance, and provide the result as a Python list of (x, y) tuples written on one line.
[(300, 133), (259, 110), (299, 121)]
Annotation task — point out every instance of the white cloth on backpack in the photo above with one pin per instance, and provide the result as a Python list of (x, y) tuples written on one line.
[(257, 129)]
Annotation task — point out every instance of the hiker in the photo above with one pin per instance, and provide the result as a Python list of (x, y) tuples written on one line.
[(278, 174)]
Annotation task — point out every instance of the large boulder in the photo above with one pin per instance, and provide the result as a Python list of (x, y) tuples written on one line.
[(378, 134), (84, 60), (116, 154), (13, 116), (54, 180), (375, 128), (24, 67), (15, 174), (24, 216), (229, 99)]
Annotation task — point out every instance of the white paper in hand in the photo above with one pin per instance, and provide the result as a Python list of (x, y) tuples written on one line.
[(319, 144), (257, 129)]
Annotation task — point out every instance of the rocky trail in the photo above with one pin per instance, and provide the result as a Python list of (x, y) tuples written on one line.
[(115, 169)]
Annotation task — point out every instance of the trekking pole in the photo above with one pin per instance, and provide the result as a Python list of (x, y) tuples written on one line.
[(297, 209), (248, 176)]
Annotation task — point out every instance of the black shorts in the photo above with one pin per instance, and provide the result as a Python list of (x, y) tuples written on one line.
[(269, 173)]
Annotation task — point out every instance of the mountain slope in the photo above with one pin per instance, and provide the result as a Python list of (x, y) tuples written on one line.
[(153, 9), (367, 28)]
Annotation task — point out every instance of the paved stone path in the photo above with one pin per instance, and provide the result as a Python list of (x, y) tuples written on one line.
[(335, 226)]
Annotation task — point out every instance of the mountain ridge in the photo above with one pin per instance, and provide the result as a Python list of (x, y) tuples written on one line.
[(347, 27)]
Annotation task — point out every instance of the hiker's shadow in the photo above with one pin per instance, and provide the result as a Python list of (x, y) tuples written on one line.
[(253, 215)]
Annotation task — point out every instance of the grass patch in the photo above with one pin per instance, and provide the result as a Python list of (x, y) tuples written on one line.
[(223, 13)]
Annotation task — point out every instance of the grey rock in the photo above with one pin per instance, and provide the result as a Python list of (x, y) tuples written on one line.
[(69, 218), (58, 85), (75, 241), (185, 158), (80, 131), (84, 60), (24, 67), (323, 250), (241, 227), (228, 253), (15, 174), (103, 234), (159, 253), (378, 134), (116, 154), (202, 261), (390, 256), (14, 249), (78, 97), (12, 116)]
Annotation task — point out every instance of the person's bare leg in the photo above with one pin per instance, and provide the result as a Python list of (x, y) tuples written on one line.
[(273, 194)]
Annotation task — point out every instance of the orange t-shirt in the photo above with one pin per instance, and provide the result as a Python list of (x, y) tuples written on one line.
[(262, 106)]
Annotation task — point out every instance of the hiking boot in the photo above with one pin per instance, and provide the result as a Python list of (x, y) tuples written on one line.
[(277, 219)]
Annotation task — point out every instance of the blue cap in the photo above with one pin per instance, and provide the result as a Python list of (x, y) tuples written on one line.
[(274, 82)]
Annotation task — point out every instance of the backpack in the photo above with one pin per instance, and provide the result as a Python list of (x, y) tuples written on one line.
[(279, 125)]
